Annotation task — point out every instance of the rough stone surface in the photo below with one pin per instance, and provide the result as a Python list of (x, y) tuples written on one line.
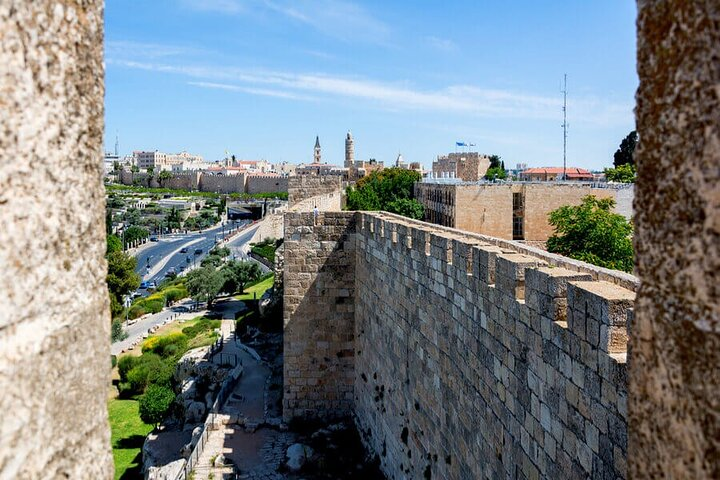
[(675, 365), (54, 321), (319, 284), (489, 208), (298, 455), (457, 358)]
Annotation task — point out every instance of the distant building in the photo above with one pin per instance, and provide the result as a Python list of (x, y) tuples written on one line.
[(349, 151), (551, 174), (163, 161), (253, 166), (317, 155), (283, 168), (513, 211), (466, 166)]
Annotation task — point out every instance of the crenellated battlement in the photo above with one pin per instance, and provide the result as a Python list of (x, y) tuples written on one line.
[(471, 356)]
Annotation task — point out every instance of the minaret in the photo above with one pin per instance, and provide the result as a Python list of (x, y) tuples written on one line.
[(349, 151), (316, 156)]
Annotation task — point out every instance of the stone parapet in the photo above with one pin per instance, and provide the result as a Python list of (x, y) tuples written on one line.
[(472, 358)]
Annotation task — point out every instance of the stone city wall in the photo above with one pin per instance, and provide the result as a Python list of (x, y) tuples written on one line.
[(302, 187), (55, 315), (319, 315), (326, 200), (473, 357), (266, 183), (222, 183)]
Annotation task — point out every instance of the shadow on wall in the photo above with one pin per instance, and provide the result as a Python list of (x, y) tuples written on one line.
[(319, 316)]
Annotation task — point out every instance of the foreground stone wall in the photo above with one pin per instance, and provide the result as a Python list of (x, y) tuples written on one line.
[(55, 319), (319, 315), (675, 370), (473, 357), (476, 361)]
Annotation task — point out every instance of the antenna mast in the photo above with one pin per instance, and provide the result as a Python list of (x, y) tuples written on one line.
[(565, 127)]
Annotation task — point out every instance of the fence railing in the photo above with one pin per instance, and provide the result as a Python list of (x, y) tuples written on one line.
[(225, 389)]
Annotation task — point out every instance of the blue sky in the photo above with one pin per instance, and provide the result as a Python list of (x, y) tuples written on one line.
[(261, 78)]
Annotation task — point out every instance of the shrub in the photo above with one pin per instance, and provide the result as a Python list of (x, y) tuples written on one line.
[(204, 325), (155, 404), (160, 345), (136, 311), (173, 294), (117, 333), (125, 364)]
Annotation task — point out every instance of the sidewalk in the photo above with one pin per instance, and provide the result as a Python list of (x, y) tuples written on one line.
[(138, 330)]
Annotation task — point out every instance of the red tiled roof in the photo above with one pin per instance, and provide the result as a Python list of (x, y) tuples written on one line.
[(570, 171)]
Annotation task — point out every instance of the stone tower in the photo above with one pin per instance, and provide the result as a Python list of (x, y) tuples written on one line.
[(317, 155), (349, 151)]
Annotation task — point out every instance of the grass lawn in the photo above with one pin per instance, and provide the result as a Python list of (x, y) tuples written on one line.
[(257, 289), (128, 435)]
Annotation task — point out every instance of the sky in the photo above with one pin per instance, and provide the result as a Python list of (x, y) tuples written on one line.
[(261, 78)]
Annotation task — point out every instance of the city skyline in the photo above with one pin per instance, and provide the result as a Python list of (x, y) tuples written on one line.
[(261, 79)]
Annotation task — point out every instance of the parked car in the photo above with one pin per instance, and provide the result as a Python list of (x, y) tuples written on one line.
[(153, 238), (184, 250), (143, 285), (152, 285), (198, 251), (170, 272)]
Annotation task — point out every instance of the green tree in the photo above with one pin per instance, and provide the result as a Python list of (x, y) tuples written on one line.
[(495, 161), (134, 233), (592, 233), (407, 208), (150, 171), (383, 190), (204, 284), (624, 154), (114, 244), (155, 404), (496, 170), (164, 175), (135, 169), (121, 276), (238, 274), (174, 220), (622, 174)]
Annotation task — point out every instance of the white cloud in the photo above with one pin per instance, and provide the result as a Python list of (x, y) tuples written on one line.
[(129, 49), (442, 44), (222, 6), (253, 91), (460, 99), (340, 19)]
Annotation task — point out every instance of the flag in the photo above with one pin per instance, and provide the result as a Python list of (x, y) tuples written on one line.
[(460, 144)]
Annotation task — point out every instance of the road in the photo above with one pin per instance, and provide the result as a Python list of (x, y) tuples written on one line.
[(238, 247), (165, 253)]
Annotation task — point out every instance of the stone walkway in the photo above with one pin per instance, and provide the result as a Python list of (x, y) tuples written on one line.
[(254, 443)]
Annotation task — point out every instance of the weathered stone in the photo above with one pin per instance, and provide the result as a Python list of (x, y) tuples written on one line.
[(675, 358), (55, 318), (298, 455)]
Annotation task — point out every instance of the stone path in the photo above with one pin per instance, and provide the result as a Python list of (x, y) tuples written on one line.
[(254, 445)]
